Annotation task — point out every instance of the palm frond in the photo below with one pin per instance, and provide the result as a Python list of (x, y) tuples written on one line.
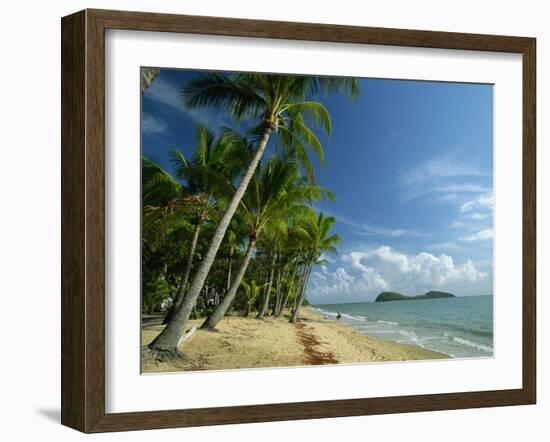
[(158, 186), (331, 85), (314, 110), (220, 91), (300, 130)]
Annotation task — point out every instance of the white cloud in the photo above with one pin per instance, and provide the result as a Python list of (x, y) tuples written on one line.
[(153, 125), (445, 176), (477, 216), (440, 167), (325, 257), (453, 189), (447, 245), (459, 224), (364, 274), (341, 282), (369, 229), (482, 235), (483, 202), (363, 228)]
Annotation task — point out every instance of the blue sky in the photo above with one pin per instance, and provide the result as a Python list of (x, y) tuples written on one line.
[(411, 164)]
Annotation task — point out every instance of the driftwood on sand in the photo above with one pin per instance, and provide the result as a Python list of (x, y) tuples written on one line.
[(187, 335)]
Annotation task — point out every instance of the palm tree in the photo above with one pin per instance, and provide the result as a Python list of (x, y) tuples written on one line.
[(166, 205), (275, 191), (272, 246), (158, 187), (292, 252), (251, 292), (212, 167), (234, 238), (314, 231), (164, 200), (148, 75), (284, 266), (275, 104)]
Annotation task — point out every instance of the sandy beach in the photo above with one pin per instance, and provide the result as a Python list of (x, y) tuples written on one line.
[(274, 342)]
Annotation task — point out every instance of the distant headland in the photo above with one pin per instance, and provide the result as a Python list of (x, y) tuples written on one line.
[(394, 296)]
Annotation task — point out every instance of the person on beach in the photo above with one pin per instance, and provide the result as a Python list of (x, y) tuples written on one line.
[(339, 315)]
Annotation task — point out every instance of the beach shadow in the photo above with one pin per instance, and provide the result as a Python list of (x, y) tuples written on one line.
[(51, 414)]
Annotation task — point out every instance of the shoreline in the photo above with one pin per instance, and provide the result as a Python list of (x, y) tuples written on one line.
[(244, 343), (346, 320), (460, 327), (429, 353)]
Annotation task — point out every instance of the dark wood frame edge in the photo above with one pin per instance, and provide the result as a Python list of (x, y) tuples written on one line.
[(83, 215)]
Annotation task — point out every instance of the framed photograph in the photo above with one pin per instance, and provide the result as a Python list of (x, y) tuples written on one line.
[(267, 221)]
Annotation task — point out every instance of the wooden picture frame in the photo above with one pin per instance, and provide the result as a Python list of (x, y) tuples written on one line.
[(83, 220)]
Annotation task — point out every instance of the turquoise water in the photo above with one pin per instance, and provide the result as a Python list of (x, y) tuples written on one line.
[(461, 327)]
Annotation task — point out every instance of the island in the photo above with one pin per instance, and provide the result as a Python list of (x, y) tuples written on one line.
[(394, 296)]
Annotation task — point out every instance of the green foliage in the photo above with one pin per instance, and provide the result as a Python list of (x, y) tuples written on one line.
[(249, 295), (277, 102), (277, 205), (154, 291)]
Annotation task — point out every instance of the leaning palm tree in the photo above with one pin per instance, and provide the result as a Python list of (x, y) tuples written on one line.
[(276, 191), (274, 104), (314, 231), (212, 168)]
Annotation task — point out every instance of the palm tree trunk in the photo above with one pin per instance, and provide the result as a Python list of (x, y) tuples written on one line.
[(228, 286), (293, 309), (265, 305), (296, 314), (221, 310), (300, 284), (284, 301), (187, 271), (167, 341), (246, 310), (277, 291)]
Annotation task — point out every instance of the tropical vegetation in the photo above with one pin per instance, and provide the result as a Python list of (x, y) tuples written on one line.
[(233, 229)]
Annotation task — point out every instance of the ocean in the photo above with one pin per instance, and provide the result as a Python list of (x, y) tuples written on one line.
[(461, 327)]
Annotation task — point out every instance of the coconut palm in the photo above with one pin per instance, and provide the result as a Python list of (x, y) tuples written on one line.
[(272, 246), (288, 264), (276, 190), (284, 272), (251, 292), (148, 75), (293, 253), (234, 239), (274, 104), (164, 201), (314, 234), (208, 174), (166, 205), (158, 187)]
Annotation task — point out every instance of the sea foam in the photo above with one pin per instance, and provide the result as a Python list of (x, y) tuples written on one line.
[(482, 347)]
